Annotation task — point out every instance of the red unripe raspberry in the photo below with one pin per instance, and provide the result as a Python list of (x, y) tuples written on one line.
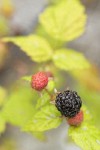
[(77, 120), (39, 81)]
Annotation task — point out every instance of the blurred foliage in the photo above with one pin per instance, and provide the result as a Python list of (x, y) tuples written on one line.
[(46, 118), (87, 136), (8, 144), (88, 77), (68, 59), (4, 29), (3, 54), (18, 108), (6, 8), (33, 112), (89, 89), (39, 50), (59, 24), (34, 46), (92, 100), (55, 43)]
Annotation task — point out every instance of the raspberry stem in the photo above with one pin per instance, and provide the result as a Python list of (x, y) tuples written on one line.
[(51, 96)]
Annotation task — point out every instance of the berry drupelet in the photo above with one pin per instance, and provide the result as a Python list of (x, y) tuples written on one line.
[(68, 103)]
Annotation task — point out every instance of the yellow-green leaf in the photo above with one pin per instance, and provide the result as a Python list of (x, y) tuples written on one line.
[(43, 100), (51, 85), (47, 118), (64, 21), (87, 136), (34, 46), (68, 59), (19, 107)]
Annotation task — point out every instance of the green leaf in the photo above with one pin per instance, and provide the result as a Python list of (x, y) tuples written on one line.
[(19, 107), (47, 118), (64, 21), (2, 95), (92, 100), (43, 100), (51, 85), (87, 115), (34, 46), (68, 59), (54, 43), (87, 136)]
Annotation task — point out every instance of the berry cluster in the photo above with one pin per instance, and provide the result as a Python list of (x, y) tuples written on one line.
[(69, 104)]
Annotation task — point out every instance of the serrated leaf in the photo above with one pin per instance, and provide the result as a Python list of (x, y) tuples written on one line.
[(68, 59), (2, 95), (34, 46), (54, 43), (64, 21), (43, 100), (87, 136), (19, 107), (47, 118)]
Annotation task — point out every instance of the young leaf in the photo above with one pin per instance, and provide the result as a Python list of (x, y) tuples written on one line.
[(68, 59), (43, 100), (64, 21), (47, 118), (54, 43), (87, 136), (19, 108), (34, 46)]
